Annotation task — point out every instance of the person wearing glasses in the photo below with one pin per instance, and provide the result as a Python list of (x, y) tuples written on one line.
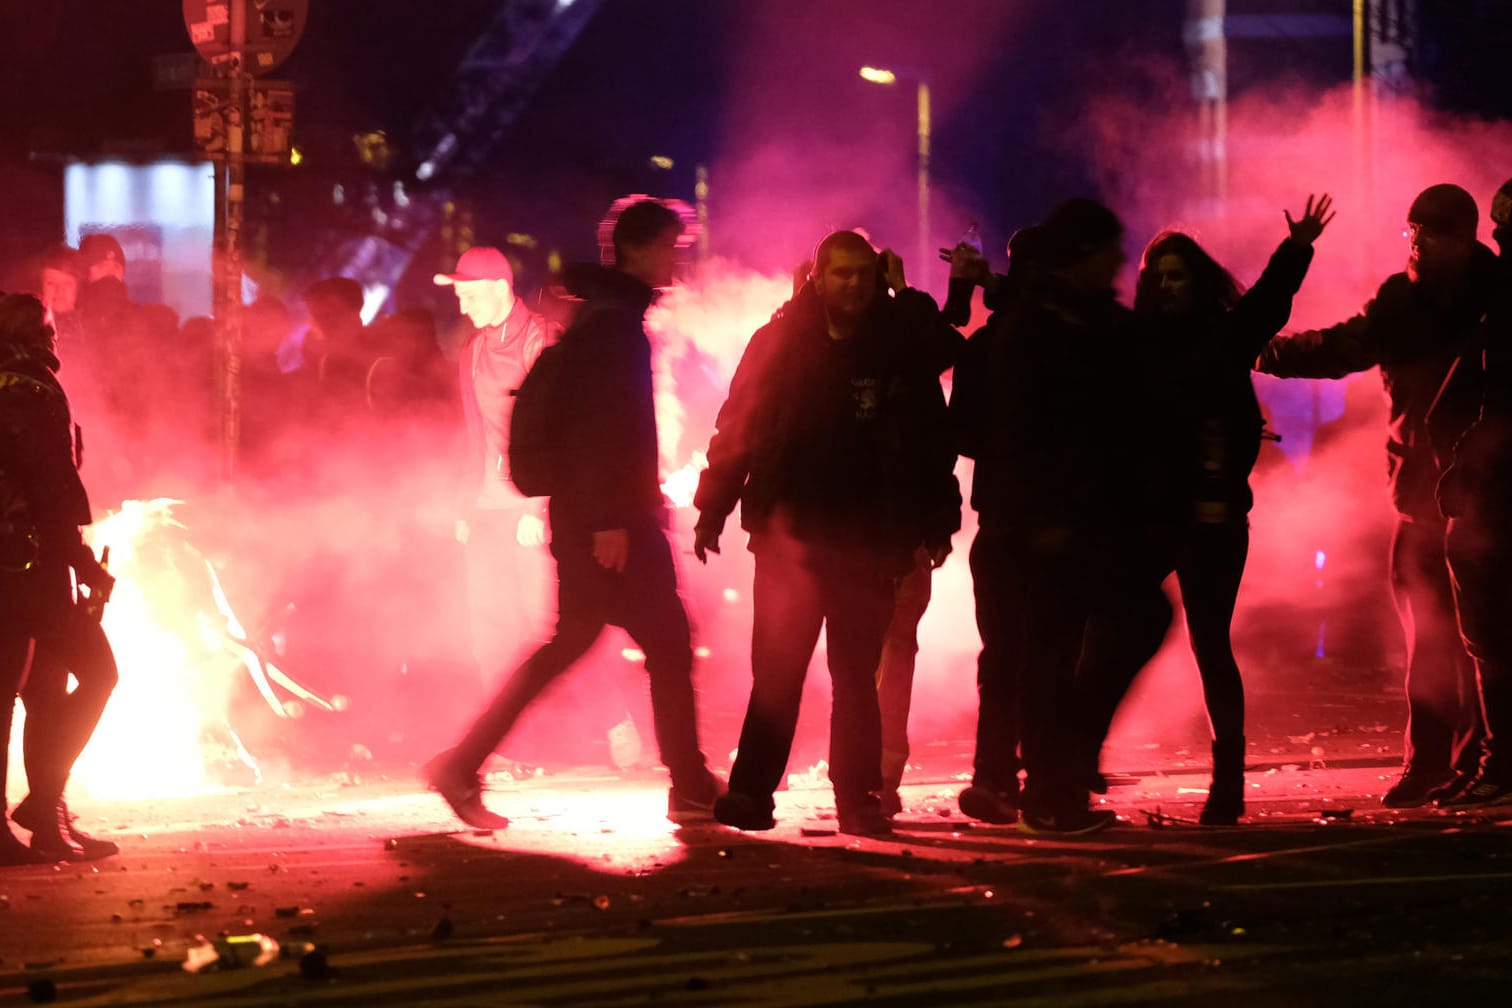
[(1413, 330)]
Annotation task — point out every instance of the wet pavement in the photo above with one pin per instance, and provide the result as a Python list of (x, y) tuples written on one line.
[(592, 898)]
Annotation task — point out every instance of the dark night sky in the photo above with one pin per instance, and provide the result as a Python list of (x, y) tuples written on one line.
[(703, 81)]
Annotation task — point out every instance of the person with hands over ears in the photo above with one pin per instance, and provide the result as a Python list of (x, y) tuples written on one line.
[(834, 442)]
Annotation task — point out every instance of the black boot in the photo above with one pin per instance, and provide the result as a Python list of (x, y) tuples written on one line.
[(1225, 802), (54, 834), (13, 852)]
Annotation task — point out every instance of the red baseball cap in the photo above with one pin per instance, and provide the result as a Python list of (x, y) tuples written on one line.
[(481, 262)]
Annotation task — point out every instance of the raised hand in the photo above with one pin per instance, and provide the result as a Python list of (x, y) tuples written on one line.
[(967, 263), (1314, 219)]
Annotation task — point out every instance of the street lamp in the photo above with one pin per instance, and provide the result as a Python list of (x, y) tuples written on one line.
[(879, 75)]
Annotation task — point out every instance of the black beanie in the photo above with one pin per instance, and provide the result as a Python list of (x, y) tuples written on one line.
[(1076, 229), (1447, 209)]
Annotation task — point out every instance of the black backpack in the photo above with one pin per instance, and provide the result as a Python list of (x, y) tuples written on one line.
[(535, 449), (534, 432)]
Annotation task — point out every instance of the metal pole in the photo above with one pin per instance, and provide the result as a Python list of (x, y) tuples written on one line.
[(231, 272), (701, 201), (1362, 196), (924, 255)]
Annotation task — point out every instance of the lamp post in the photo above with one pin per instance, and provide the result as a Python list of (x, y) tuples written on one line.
[(878, 75)]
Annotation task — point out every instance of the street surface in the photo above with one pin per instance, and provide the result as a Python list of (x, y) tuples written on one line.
[(592, 898)]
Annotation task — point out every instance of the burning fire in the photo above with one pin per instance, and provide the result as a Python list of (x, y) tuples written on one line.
[(181, 650)]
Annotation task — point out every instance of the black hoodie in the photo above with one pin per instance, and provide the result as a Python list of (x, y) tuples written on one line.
[(40, 489), (609, 476)]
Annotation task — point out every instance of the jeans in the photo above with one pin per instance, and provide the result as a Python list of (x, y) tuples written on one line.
[(801, 586), (1443, 715)]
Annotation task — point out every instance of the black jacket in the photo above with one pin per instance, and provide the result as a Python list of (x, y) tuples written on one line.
[(1204, 382), (41, 495), (1471, 420), (1414, 339), (609, 469), (848, 439), (1043, 401)]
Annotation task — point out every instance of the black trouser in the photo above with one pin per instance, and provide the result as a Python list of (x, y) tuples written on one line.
[(998, 584), (1209, 569), (58, 723), (1035, 606), (1443, 712), (1129, 617), (1480, 563), (801, 586), (643, 600)]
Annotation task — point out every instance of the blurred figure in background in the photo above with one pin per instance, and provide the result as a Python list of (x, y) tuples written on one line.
[(336, 347), (503, 531)]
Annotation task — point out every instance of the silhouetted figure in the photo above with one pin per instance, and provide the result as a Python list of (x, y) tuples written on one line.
[(834, 442), (279, 393), (1046, 409), (994, 792), (42, 508), (118, 346), (614, 565), (911, 594), (1475, 494), (1414, 329), (1207, 330), (336, 347), (410, 381)]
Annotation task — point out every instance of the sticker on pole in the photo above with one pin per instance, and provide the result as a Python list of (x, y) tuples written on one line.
[(269, 30), (268, 117)]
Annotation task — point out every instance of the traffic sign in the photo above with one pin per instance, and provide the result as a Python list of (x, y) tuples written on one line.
[(271, 29)]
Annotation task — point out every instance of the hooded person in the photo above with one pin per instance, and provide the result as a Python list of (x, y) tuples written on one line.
[(1418, 324), (607, 522)]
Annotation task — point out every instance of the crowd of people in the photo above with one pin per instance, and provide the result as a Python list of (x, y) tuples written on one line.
[(838, 446), (1112, 449)]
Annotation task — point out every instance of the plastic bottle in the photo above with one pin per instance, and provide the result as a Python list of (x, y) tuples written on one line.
[(232, 952), (957, 310), (972, 238)]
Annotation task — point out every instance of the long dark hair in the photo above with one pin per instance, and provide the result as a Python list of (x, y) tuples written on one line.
[(1214, 288)]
